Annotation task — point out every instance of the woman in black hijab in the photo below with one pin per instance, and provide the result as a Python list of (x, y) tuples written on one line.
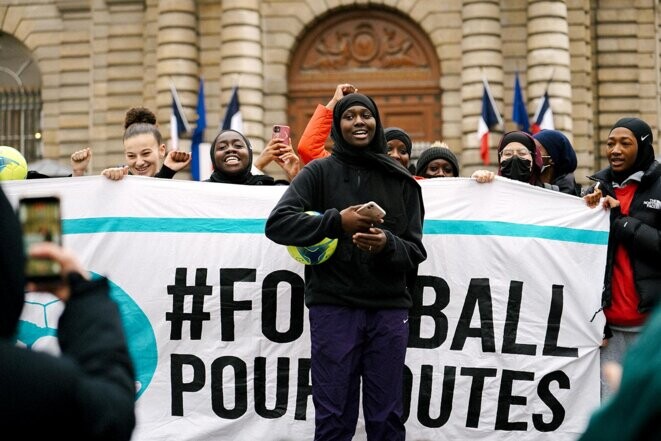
[(519, 159), (359, 299), (517, 163), (231, 156)]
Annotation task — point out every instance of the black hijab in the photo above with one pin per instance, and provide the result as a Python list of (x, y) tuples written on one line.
[(644, 138), (374, 155), (244, 177), (528, 141), (397, 133)]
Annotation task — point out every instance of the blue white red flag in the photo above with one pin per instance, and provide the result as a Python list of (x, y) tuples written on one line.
[(201, 160), (543, 115), (490, 117), (178, 122), (519, 111), (233, 119)]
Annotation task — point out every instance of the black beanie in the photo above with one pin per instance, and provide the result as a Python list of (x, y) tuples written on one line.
[(436, 153), (643, 133), (559, 149), (397, 133)]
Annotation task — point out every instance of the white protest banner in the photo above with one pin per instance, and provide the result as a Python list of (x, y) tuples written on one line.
[(504, 339)]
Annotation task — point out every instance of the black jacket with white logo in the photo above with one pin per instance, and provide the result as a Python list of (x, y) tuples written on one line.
[(640, 233)]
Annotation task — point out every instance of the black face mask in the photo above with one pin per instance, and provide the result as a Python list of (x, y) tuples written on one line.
[(516, 168)]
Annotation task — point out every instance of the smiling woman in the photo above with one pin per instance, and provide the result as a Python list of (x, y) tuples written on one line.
[(359, 298), (144, 149), (231, 156)]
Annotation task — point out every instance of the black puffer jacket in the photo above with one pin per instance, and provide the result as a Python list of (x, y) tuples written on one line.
[(640, 233), (86, 393)]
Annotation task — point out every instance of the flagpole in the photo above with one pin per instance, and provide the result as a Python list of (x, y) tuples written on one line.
[(544, 115), (175, 95), (236, 80), (548, 83)]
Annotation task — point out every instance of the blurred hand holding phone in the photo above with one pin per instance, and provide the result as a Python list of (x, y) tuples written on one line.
[(41, 221)]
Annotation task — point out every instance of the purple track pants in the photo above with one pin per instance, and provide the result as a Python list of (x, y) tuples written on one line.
[(350, 345)]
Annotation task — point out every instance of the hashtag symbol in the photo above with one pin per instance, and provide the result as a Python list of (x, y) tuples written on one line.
[(179, 291)]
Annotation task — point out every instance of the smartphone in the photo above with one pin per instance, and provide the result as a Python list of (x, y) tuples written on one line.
[(41, 221), (372, 210), (281, 132)]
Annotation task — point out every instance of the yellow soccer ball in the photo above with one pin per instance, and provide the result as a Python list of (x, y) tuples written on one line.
[(13, 165), (313, 254)]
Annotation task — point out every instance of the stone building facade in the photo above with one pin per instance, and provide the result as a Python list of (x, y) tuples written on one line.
[(423, 61)]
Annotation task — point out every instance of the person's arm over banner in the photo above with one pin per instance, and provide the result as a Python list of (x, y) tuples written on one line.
[(637, 235)]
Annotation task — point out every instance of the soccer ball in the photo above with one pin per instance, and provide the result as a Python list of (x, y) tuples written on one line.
[(313, 254), (37, 327), (13, 165)]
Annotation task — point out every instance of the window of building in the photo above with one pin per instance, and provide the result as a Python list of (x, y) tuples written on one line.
[(20, 98)]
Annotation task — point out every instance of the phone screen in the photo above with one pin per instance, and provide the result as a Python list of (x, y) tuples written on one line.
[(41, 222)]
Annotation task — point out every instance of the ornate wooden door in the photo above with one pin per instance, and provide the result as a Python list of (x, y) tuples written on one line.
[(384, 54)]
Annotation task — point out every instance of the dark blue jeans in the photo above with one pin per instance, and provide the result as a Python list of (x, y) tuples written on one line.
[(350, 344)]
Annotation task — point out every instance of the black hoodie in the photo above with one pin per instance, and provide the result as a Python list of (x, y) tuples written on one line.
[(351, 176), (86, 393), (12, 261)]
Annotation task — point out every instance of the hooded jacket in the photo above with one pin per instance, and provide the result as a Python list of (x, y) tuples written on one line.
[(640, 231), (351, 176), (86, 393)]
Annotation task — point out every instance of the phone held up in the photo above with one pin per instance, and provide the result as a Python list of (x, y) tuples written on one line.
[(281, 132), (372, 210), (41, 221)]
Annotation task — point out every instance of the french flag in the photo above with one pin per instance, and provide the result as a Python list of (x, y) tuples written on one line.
[(201, 166), (519, 112), (178, 122), (490, 117), (543, 115), (233, 119)]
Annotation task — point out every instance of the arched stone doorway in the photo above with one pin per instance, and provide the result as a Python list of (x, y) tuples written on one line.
[(383, 53), (20, 98)]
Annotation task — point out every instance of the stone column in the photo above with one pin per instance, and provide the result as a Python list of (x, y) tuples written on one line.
[(481, 58), (583, 110), (242, 64), (176, 60), (74, 88), (548, 59)]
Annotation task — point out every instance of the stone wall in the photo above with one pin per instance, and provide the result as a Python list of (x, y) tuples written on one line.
[(100, 57)]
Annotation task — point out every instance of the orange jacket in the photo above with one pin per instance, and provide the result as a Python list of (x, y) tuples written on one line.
[(312, 142)]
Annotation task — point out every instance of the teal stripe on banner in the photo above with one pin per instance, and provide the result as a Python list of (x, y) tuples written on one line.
[(494, 228), (256, 226), (162, 225)]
